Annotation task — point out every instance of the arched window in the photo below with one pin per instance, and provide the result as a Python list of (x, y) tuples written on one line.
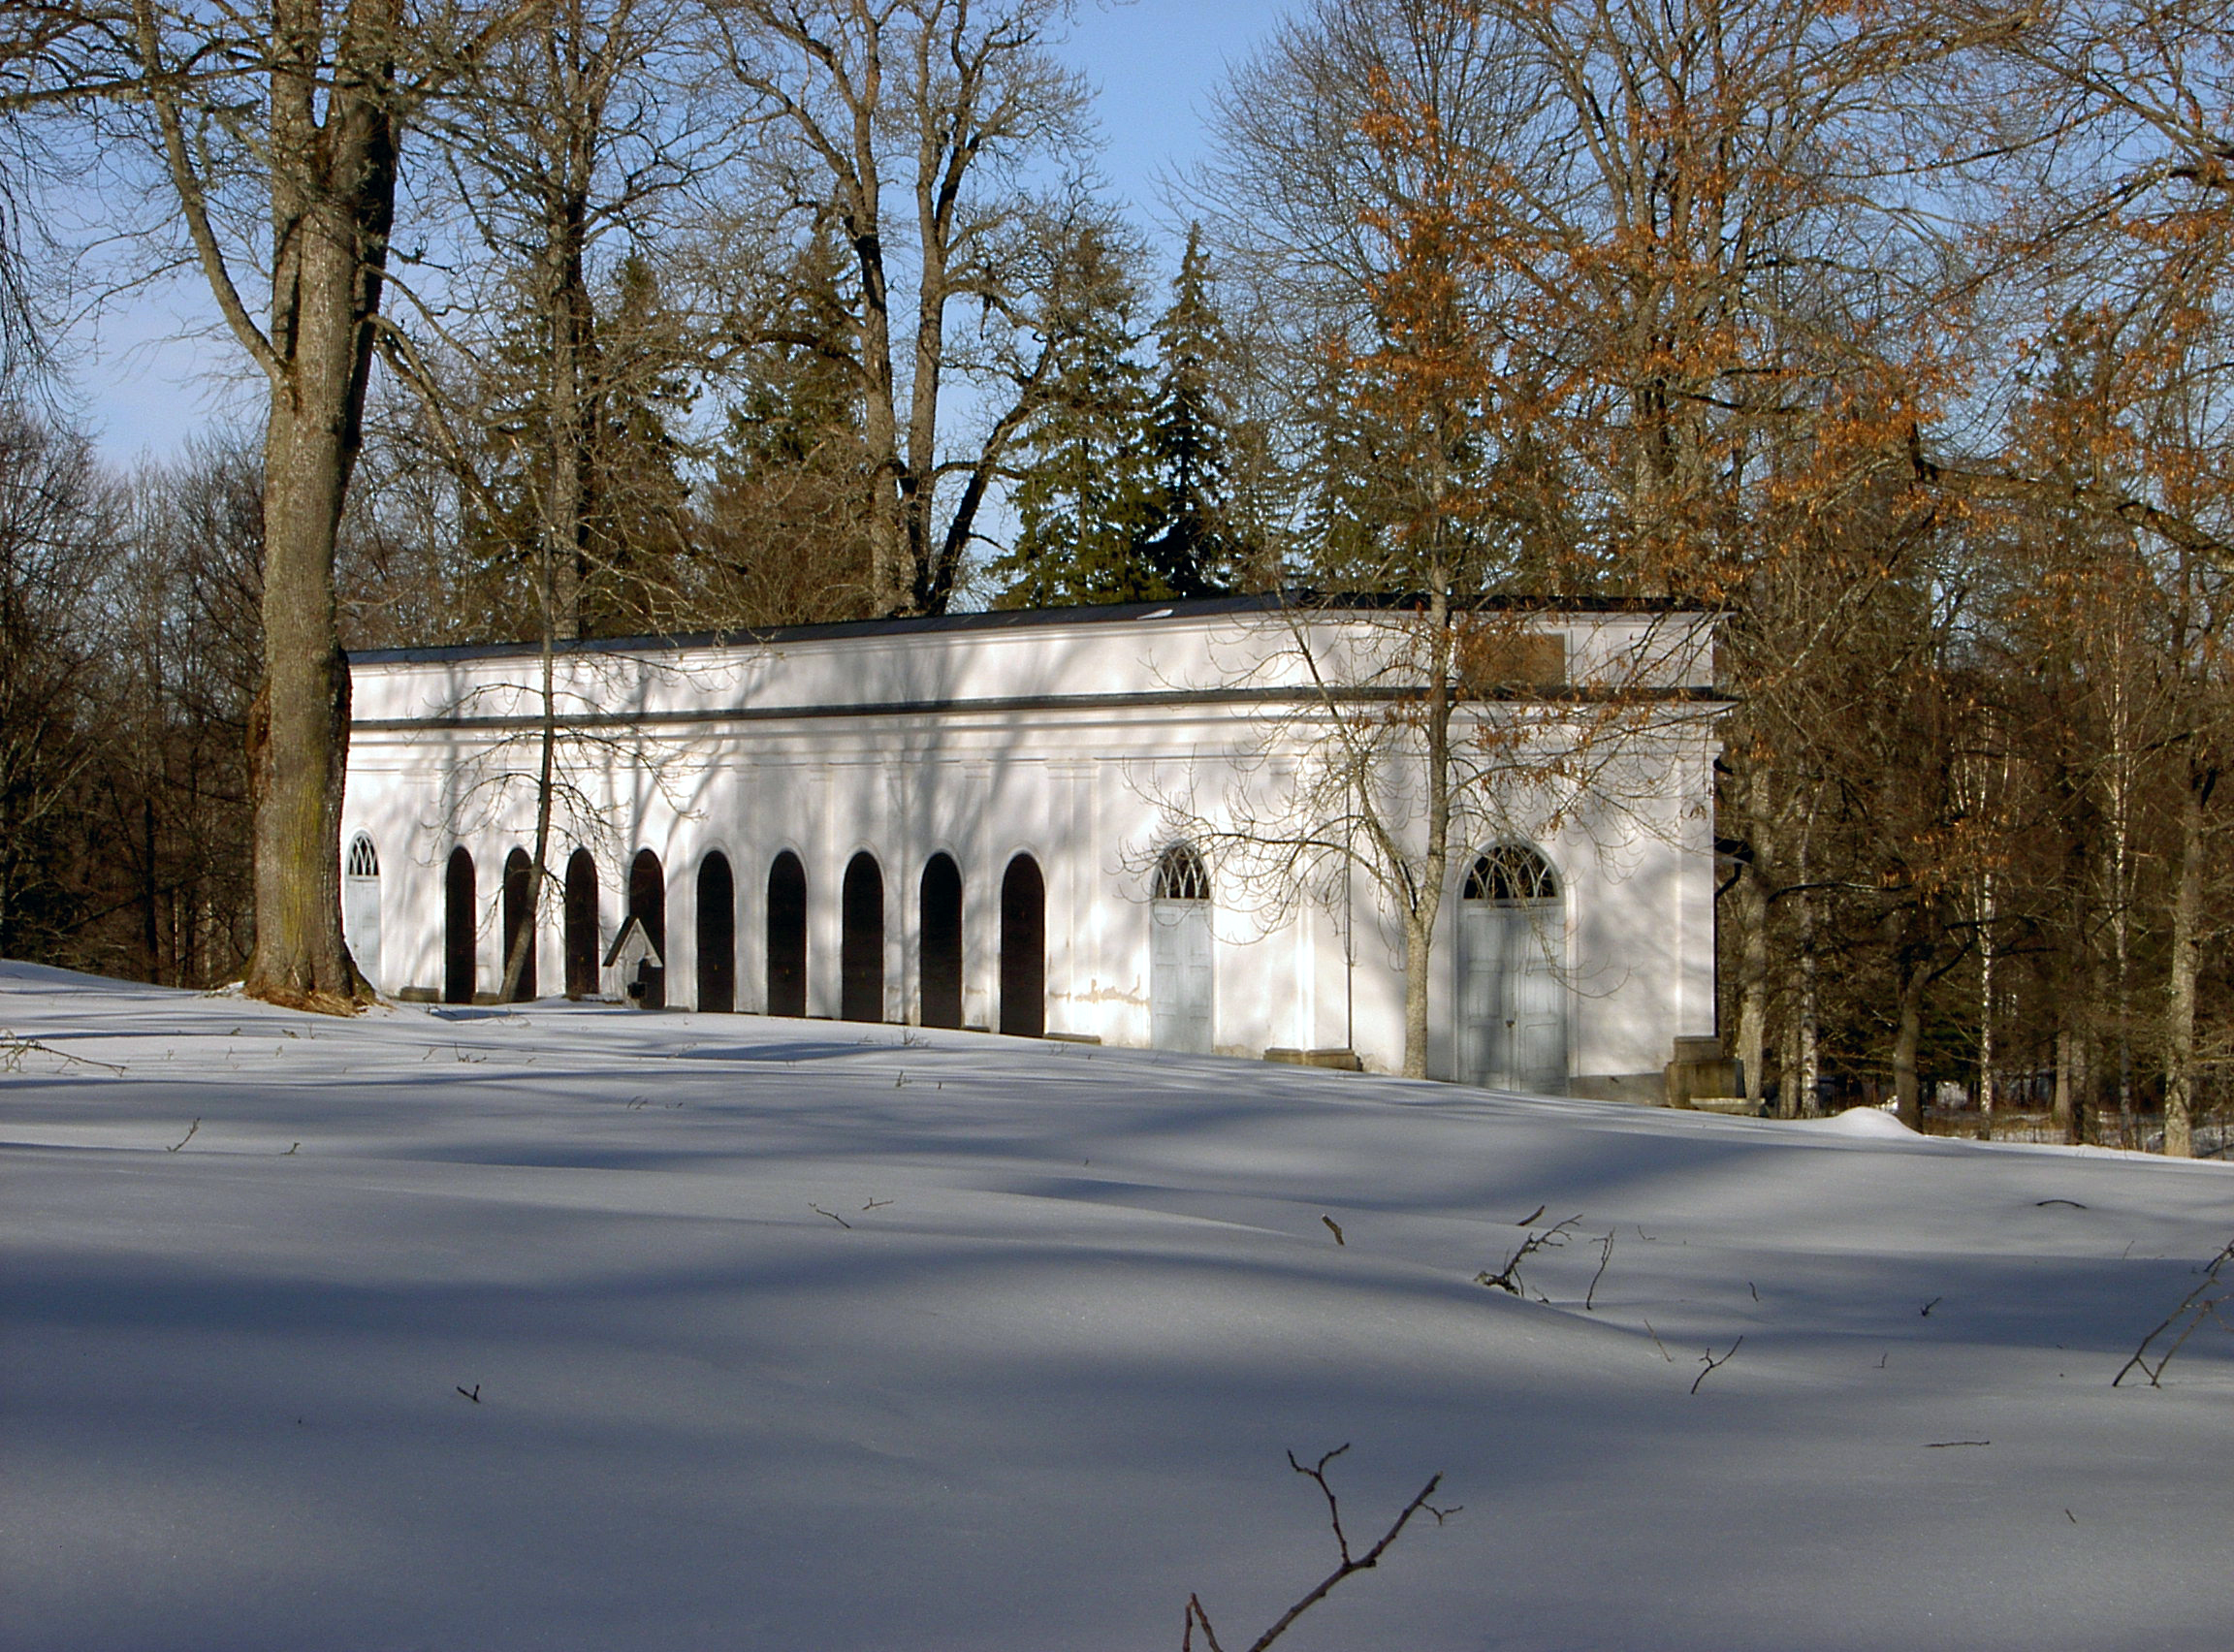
[(457, 940), (1182, 980), (1022, 950), (1511, 872), (1511, 986), (519, 874), (1180, 875), (861, 941), (716, 934), (582, 936), (647, 906), (787, 935), (940, 943), (361, 906)]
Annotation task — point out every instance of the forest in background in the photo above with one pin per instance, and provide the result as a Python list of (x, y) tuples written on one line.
[(1893, 334)]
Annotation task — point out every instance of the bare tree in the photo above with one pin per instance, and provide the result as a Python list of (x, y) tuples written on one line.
[(945, 104)]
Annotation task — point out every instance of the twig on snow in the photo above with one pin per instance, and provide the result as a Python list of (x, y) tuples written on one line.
[(12, 1050), (831, 1214), (1713, 1365), (1507, 1278), (187, 1137), (1604, 1256), (1334, 1228), (1349, 1564), (2200, 1304)]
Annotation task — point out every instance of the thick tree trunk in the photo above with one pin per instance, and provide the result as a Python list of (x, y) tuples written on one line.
[(300, 734), (333, 199)]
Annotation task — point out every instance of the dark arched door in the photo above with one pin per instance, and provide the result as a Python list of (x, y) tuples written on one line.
[(519, 870), (647, 906), (582, 959), (458, 928), (716, 934), (941, 916), (861, 941), (787, 935), (1022, 950)]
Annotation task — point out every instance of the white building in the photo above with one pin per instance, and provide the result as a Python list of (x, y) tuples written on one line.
[(1061, 822)]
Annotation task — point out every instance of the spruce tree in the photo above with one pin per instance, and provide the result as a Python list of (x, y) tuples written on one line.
[(1188, 541), (1085, 484)]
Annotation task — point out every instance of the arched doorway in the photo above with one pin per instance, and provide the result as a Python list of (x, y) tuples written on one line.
[(787, 935), (647, 906), (1181, 978), (361, 906), (1511, 991), (716, 934), (517, 872), (582, 936), (861, 941), (458, 928), (940, 943), (1022, 950)]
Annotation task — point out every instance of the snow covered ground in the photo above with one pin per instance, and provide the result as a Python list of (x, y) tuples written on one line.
[(1031, 1379)]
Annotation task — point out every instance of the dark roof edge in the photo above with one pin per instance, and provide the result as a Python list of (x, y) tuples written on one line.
[(1011, 618)]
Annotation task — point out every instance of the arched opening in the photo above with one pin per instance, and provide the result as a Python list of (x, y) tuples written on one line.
[(861, 941), (1022, 950), (1512, 994), (787, 935), (581, 925), (647, 906), (518, 887), (458, 928), (1181, 978), (361, 906), (941, 913), (716, 934)]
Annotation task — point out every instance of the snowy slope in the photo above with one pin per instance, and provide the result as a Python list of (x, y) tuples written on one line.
[(1040, 1386)]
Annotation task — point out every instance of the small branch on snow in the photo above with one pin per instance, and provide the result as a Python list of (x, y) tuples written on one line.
[(1334, 1228), (187, 1137), (2200, 1304), (831, 1214), (1604, 1256), (1350, 1565), (1508, 1279), (12, 1050), (1713, 1365)]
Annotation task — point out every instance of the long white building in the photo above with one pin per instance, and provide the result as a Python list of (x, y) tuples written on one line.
[(1140, 825)]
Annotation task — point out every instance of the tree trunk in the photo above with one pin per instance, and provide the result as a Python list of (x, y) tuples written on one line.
[(1427, 903), (332, 187), (2062, 1115), (2186, 950), (1907, 1033)]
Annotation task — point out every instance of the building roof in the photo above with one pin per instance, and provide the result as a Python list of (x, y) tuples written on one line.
[(1012, 619)]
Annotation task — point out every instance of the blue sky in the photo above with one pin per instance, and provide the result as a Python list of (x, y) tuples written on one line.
[(150, 380)]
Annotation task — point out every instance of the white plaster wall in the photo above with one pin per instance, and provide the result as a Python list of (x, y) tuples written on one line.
[(752, 761)]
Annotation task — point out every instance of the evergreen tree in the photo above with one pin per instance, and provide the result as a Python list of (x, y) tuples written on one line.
[(1086, 484), (1189, 542)]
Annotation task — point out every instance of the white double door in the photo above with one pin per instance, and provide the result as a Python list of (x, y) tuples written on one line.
[(1180, 976), (1512, 995)]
